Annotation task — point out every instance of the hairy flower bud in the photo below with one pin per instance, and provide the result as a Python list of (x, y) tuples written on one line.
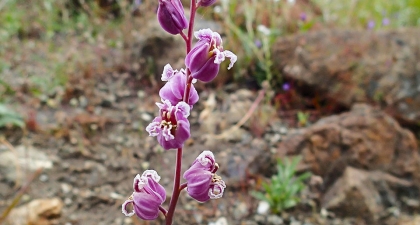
[(148, 195), (171, 127), (174, 89), (206, 3), (202, 181), (171, 16), (204, 59)]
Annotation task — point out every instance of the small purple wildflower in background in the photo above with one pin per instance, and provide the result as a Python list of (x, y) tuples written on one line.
[(286, 86), (258, 43), (171, 16), (203, 182), (385, 21), (137, 2), (147, 197), (205, 58), (371, 24), (303, 16)]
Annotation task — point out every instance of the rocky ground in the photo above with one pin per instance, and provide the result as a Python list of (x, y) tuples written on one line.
[(89, 139)]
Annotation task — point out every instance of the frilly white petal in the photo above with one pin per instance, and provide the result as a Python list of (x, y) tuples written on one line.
[(124, 208), (204, 34), (220, 56), (184, 108), (151, 173), (168, 72), (203, 158), (153, 129), (232, 57), (218, 189)]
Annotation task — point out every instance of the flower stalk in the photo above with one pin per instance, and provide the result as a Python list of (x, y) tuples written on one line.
[(171, 126)]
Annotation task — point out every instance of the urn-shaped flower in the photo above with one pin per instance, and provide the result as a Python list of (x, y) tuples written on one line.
[(171, 127), (202, 181), (204, 59), (148, 195)]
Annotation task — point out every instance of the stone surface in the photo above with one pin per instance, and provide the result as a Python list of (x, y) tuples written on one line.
[(357, 66), (354, 195), (15, 164), (36, 212), (364, 138), (365, 194)]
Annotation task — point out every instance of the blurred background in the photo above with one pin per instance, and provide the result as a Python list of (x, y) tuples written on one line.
[(318, 122)]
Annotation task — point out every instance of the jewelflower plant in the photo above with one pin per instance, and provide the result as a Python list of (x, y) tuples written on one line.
[(171, 126)]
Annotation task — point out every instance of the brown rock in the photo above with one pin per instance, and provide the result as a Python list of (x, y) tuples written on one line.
[(415, 220), (364, 194), (354, 195), (364, 138), (36, 212), (357, 66)]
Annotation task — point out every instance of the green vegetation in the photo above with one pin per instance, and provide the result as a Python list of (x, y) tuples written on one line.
[(10, 118), (358, 13), (49, 42), (282, 192), (253, 25)]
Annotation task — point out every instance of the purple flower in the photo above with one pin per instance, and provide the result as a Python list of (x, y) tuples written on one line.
[(204, 59), (171, 16), (202, 181), (171, 127), (148, 195), (206, 2), (258, 43), (371, 24), (385, 21), (174, 89), (303, 16), (286, 86)]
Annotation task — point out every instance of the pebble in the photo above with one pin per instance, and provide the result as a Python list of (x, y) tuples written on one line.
[(240, 211), (263, 208), (276, 138), (141, 94), (68, 201), (283, 130), (128, 220), (220, 221), (74, 102), (145, 165), (146, 117), (275, 220), (83, 101), (43, 178)]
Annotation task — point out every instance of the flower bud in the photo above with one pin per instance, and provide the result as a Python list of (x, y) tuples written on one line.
[(171, 16)]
